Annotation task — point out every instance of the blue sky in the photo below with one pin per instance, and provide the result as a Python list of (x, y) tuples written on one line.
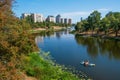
[(74, 9)]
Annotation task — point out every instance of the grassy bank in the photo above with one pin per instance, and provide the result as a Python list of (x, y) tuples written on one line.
[(41, 67)]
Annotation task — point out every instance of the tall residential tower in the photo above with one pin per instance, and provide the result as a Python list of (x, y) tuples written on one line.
[(50, 19), (58, 19), (24, 15), (37, 17), (34, 17)]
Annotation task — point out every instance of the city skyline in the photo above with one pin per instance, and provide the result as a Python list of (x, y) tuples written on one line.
[(38, 17), (74, 9)]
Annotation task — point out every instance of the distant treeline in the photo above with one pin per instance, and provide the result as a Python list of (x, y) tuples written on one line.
[(94, 23)]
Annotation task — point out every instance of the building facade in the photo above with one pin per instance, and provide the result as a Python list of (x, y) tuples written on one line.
[(51, 19), (65, 21), (37, 17), (58, 19), (62, 20), (34, 17), (24, 15), (70, 21)]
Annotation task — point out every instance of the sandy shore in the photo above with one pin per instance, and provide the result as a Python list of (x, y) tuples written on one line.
[(57, 28), (39, 29), (43, 29), (110, 35)]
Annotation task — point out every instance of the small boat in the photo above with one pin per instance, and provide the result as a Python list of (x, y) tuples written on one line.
[(87, 64)]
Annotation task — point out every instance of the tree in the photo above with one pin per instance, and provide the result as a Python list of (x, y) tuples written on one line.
[(105, 23), (114, 18), (78, 27), (82, 26), (85, 25), (15, 40), (94, 20), (116, 22), (29, 19)]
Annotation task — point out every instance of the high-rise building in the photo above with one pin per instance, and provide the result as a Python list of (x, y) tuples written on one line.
[(37, 17), (51, 18), (62, 20), (70, 21), (66, 21), (24, 15), (34, 17), (58, 19)]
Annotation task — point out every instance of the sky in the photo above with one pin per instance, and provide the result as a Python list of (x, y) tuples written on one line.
[(74, 9)]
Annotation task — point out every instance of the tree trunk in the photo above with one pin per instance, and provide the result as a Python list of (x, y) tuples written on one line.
[(97, 31), (105, 32), (116, 33), (92, 31)]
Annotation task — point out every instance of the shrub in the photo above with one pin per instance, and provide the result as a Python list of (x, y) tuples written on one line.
[(41, 67)]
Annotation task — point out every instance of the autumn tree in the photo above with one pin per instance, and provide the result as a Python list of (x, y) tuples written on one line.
[(15, 40)]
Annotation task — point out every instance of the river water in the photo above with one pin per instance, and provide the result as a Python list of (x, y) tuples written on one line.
[(69, 50)]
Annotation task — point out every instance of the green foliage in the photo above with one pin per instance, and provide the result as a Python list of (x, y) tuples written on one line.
[(105, 23), (41, 67), (78, 27), (94, 22), (91, 22), (29, 20), (82, 26), (114, 18)]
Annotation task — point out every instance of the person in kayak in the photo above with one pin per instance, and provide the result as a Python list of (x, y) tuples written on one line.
[(86, 63)]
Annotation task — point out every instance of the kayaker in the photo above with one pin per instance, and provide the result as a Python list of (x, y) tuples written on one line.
[(86, 63)]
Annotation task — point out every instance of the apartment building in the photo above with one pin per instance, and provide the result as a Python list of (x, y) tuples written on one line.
[(24, 15), (70, 21), (62, 20), (50, 18), (65, 21), (37, 17), (58, 19)]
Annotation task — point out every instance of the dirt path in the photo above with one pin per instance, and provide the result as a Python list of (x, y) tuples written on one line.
[(27, 77)]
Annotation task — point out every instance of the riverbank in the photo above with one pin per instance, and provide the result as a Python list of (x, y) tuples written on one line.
[(110, 35), (53, 28), (40, 66)]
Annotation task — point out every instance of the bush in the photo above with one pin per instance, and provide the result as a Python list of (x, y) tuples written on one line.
[(41, 67)]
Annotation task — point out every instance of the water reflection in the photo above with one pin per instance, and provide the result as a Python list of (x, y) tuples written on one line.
[(61, 33), (39, 39), (58, 35), (45, 33), (68, 49), (96, 46)]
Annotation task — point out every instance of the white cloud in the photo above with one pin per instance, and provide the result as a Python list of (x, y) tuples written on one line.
[(83, 13), (103, 10), (78, 14), (74, 14)]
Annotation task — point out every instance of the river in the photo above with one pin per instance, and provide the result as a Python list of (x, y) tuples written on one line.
[(69, 50)]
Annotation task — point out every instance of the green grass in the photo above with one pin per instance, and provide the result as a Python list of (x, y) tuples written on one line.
[(41, 67)]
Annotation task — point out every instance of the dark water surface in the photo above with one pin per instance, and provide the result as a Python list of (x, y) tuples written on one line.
[(68, 49)]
